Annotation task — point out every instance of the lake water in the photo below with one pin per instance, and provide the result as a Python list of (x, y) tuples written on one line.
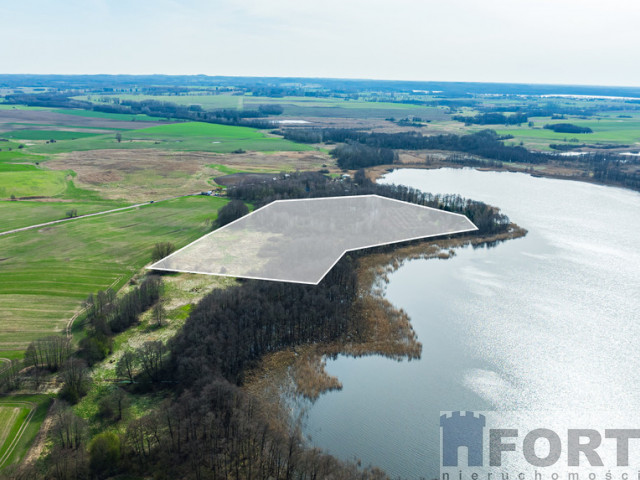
[(547, 322)]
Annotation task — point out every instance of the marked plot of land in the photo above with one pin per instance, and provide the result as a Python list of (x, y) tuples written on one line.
[(300, 240)]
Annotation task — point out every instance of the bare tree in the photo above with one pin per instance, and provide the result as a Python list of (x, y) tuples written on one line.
[(159, 313), (126, 366)]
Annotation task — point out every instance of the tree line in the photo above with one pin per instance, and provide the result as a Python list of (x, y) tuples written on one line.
[(488, 219), (493, 118), (353, 156), (617, 170), (567, 128), (486, 143), (107, 314), (153, 108)]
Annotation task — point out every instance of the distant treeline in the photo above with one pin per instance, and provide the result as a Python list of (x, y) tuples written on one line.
[(486, 143), (154, 108), (567, 128), (353, 156), (493, 119), (109, 83), (617, 170)]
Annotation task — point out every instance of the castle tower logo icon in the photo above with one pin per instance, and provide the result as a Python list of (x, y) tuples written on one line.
[(462, 429)]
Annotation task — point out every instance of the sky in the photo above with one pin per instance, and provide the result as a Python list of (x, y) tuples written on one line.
[(590, 42)]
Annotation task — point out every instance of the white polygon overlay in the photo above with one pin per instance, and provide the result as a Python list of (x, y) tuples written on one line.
[(301, 240)]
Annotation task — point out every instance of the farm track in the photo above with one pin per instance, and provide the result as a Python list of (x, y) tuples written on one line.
[(105, 212)]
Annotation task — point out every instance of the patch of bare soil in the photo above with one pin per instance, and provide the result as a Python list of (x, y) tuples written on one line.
[(274, 162)]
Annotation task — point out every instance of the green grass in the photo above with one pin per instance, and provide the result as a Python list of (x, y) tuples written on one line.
[(188, 136), (24, 213), (32, 183), (109, 116), (18, 156), (17, 167), (45, 135), (45, 274), (12, 354), (11, 452), (609, 131), (224, 169)]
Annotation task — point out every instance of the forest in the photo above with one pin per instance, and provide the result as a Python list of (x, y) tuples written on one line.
[(486, 143), (488, 219), (567, 128), (493, 119), (208, 427)]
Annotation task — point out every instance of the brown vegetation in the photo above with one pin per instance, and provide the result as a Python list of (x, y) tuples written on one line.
[(383, 329), (126, 174)]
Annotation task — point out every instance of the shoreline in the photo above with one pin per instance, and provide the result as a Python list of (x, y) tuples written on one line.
[(299, 373), (374, 173)]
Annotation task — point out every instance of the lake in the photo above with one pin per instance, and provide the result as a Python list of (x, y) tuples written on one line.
[(548, 321)]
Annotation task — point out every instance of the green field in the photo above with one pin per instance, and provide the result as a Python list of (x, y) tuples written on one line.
[(109, 116), (188, 136), (45, 135), (45, 274), (17, 167), (20, 420), (24, 213), (606, 130), (30, 183), (17, 156), (225, 170)]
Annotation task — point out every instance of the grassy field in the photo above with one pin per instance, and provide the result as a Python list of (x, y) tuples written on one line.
[(109, 116), (20, 420), (47, 273), (17, 135), (224, 169), (188, 136), (16, 156), (24, 213), (607, 131), (23, 181)]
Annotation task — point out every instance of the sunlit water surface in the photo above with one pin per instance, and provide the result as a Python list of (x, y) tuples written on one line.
[(547, 322)]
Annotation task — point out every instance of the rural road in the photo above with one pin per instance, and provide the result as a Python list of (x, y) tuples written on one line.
[(53, 222)]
